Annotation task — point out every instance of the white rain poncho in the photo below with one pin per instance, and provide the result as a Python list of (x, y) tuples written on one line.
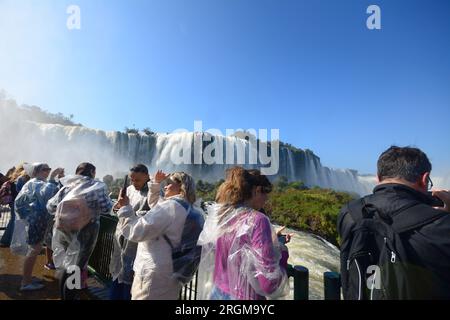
[(124, 253), (166, 224), (241, 257), (77, 207)]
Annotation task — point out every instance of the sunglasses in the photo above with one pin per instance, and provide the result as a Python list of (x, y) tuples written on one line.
[(429, 183), (170, 181)]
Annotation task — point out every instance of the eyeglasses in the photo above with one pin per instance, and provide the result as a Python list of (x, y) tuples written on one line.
[(46, 169), (429, 183)]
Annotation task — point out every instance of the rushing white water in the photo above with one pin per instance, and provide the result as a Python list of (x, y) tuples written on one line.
[(314, 253)]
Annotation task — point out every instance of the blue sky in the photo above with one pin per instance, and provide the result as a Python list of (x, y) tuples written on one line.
[(310, 68)]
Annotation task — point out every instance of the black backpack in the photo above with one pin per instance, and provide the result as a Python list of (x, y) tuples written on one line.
[(374, 262), (186, 256)]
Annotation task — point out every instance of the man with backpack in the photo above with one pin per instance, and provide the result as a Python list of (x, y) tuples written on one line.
[(77, 208), (395, 243)]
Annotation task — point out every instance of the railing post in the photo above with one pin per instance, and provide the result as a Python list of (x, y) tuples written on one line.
[(301, 283), (332, 286)]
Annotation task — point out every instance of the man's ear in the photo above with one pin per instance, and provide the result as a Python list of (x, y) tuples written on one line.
[(424, 180)]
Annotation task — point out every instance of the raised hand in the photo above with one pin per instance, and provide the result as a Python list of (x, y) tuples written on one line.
[(160, 176), (58, 172)]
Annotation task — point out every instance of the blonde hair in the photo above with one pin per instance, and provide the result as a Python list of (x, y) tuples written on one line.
[(19, 172), (187, 185)]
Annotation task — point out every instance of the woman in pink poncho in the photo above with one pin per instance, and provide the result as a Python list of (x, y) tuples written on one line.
[(241, 255)]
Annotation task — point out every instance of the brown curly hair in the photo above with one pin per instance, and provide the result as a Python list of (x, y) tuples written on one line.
[(238, 187)]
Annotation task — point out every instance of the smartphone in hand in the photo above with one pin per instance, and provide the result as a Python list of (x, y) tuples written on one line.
[(124, 186), (282, 239), (436, 202)]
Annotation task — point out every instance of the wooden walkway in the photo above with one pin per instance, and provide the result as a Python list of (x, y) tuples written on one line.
[(11, 276)]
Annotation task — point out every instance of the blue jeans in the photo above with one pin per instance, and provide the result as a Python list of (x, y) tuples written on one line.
[(7, 235), (217, 294), (120, 291)]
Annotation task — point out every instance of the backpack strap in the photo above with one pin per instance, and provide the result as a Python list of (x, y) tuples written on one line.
[(168, 241), (187, 207), (358, 210), (183, 203), (417, 216), (405, 219)]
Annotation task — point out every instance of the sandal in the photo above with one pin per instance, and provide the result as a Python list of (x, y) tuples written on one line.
[(49, 266)]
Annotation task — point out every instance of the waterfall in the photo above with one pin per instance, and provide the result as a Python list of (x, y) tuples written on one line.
[(115, 152)]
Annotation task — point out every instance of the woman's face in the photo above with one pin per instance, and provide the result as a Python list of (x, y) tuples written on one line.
[(172, 188), (259, 198)]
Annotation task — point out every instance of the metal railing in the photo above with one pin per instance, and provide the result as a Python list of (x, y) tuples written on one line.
[(5, 213), (331, 283), (101, 257)]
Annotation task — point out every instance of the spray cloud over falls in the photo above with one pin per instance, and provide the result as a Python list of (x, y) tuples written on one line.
[(65, 144)]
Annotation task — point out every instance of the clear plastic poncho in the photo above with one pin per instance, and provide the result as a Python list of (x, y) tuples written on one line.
[(32, 217), (76, 208), (240, 256)]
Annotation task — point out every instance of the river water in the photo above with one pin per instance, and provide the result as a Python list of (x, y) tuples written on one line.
[(314, 253)]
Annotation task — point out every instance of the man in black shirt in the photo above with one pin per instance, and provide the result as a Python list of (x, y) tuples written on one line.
[(404, 208)]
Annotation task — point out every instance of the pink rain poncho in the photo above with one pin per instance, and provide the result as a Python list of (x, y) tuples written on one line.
[(241, 256)]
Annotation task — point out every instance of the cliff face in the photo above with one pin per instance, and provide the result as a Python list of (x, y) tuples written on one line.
[(203, 155)]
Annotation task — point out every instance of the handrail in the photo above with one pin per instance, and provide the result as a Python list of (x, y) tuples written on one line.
[(101, 257)]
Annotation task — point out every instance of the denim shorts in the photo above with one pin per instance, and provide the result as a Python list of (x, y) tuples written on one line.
[(37, 225)]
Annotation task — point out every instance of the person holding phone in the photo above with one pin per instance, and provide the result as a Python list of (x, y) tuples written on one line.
[(156, 232), (241, 257), (135, 188), (418, 217)]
